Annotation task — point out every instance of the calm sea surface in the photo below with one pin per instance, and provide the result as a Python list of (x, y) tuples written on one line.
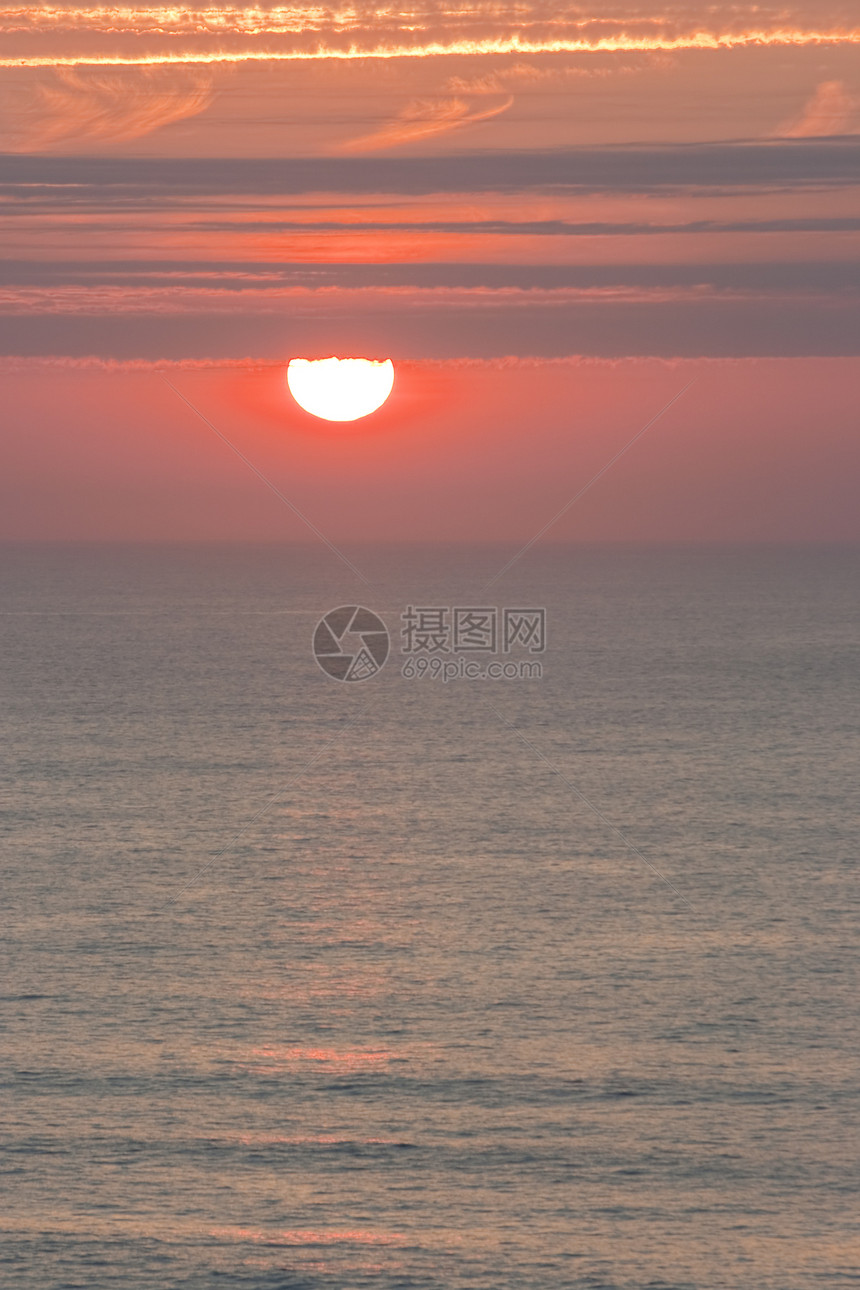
[(448, 1008)]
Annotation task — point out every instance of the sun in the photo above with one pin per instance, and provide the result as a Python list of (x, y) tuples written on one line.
[(340, 389)]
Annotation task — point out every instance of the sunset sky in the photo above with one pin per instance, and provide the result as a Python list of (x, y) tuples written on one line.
[(551, 218)]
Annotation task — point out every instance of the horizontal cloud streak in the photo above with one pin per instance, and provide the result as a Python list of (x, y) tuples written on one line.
[(608, 328), (815, 277), (145, 258), (529, 228), (70, 35), (112, 181), (257, 19)]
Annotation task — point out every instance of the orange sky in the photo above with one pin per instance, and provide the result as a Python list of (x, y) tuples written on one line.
[(547, 216)]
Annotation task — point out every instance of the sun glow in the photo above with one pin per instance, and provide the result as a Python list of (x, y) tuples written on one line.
[(340, 389)]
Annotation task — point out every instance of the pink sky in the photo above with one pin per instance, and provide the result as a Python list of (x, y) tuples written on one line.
[(550, 218)]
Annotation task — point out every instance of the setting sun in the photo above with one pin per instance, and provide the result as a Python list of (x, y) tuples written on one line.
[(340, 389)]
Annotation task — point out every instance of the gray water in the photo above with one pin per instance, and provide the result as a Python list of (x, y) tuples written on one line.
[(444, 1008)]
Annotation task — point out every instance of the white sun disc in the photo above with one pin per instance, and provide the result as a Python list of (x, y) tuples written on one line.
[(340, 389)]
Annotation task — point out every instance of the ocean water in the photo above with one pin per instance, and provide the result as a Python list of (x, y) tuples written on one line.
[(405, 984)]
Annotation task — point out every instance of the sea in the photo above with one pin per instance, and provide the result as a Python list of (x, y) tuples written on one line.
[(536, 980)]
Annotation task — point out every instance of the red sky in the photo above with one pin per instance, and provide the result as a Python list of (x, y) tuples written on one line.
[(755, 450), (550, 219)]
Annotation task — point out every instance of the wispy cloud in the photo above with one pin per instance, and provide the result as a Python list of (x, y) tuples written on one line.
[(424, 119), (82, 104), (830, 111), (521, 75)]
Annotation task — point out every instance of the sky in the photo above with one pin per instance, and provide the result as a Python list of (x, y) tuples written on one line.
[(553, 219)]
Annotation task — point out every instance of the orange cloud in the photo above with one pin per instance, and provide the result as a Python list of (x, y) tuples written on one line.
[(54, 35), (831, 110), (79, 105), (423, 119), (520, 74), (119, 105)]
